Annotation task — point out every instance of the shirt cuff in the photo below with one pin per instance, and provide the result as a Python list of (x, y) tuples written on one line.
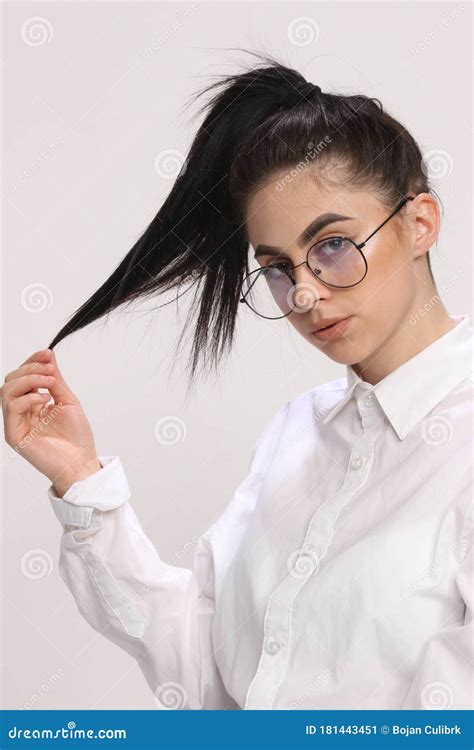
[(105, 489)]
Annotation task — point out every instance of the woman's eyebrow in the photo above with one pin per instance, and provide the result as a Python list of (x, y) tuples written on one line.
[(306, 235)]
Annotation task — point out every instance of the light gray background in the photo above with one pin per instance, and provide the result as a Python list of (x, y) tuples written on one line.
[(86, 113)]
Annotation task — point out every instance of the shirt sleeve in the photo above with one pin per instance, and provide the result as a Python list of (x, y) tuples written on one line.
[(445, 675), (160, 614)]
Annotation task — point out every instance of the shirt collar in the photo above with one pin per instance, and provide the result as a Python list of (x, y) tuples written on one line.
[(408, 393)]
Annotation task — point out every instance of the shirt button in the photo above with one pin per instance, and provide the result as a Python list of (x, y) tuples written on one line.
[(273, 647), (356, 463)]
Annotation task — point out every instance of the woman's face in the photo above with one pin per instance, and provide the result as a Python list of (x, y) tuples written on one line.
[(383, 300)]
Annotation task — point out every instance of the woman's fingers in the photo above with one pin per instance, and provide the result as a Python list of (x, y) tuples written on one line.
[(41, 368), (29, 401), (16, 411), (43, 361), (41, 356), (25, 383)]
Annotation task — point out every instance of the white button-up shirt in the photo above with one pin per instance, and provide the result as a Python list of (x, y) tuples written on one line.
[(339, 575)]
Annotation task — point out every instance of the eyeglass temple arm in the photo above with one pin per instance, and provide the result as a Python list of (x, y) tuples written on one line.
[(400, 205)]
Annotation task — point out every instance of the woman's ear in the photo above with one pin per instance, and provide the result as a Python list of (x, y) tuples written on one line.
[(423, 223)]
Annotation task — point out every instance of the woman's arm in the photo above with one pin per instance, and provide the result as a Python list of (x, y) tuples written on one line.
[(158, 613)]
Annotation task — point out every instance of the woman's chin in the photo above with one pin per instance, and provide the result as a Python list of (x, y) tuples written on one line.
[(342, 349)]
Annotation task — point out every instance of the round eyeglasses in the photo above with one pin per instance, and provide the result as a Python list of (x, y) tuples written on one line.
[(271, 291)]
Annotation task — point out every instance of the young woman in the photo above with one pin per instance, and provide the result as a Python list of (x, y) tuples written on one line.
[(339, 574)]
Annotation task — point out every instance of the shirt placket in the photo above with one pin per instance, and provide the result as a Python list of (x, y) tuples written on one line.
[(277, 621)]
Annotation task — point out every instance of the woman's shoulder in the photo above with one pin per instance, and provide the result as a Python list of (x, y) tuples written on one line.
[(303, 408), (324, 395)]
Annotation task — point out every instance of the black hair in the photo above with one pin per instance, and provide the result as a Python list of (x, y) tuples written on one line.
[(257, 122)]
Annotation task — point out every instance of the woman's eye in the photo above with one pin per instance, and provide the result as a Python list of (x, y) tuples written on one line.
[(281, 266), (332, 243)]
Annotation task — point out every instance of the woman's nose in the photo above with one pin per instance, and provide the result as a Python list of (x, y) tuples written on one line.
[(307, 289)]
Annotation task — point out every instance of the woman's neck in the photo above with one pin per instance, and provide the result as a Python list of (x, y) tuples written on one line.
[(407, 340)]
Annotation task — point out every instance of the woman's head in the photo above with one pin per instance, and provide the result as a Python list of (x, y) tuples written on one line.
[(377, 288), (267, 133)]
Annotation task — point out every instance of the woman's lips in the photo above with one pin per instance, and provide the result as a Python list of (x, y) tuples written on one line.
[(334, 331)]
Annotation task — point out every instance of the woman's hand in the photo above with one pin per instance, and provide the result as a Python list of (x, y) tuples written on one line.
[(56, 437)]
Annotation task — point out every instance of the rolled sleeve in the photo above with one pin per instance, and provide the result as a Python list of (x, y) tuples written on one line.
[(106, 489)]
